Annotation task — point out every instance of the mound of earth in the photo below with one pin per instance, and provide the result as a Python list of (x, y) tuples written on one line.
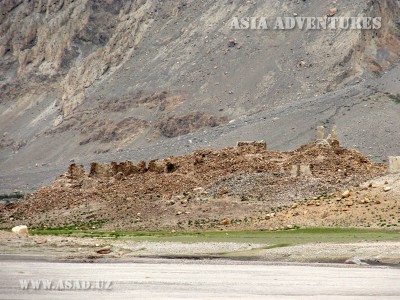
[(373, 204), (242, 187)]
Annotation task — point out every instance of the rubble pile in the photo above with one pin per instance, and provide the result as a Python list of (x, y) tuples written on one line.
[(151, 195)]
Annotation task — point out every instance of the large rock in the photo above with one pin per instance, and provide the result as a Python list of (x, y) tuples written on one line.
[(356, 261), (332, 12), (21, 230), (346, 194), (104, 250)]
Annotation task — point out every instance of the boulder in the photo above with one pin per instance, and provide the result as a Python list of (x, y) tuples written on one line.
[(232, 43), (21, 230), (104, 250), (332, 12), (346, 194), (226, 222), (356, 261)]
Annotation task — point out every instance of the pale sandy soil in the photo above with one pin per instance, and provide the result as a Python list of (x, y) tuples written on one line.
[(74, 248)]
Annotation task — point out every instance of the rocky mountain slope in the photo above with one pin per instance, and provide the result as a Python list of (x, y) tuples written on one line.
[(103, 80)]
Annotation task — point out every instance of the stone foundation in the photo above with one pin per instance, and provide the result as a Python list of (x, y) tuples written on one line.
[(252, 146)]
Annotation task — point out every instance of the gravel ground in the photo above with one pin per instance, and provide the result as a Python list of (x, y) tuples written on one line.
[(72, 248), (357, 253), (172, 248)]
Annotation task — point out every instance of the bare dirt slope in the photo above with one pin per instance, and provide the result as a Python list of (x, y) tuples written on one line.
[(104, 80)]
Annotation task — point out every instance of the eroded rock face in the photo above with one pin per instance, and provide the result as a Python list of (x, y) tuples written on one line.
[(381, 48), (76, 40)]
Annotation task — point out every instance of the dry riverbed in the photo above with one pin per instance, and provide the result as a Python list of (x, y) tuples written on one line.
[(73, 248)]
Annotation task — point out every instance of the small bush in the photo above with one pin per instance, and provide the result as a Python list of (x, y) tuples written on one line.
[(395, 98), (15, 195)]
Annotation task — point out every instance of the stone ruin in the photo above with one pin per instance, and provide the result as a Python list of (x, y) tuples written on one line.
[(75, 171), (126, 168), (119, 170), (304, 170), (331, 139), (100, 170), (161, 166), (394, 164), (252, 146), (320, 133), (301, 170)]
